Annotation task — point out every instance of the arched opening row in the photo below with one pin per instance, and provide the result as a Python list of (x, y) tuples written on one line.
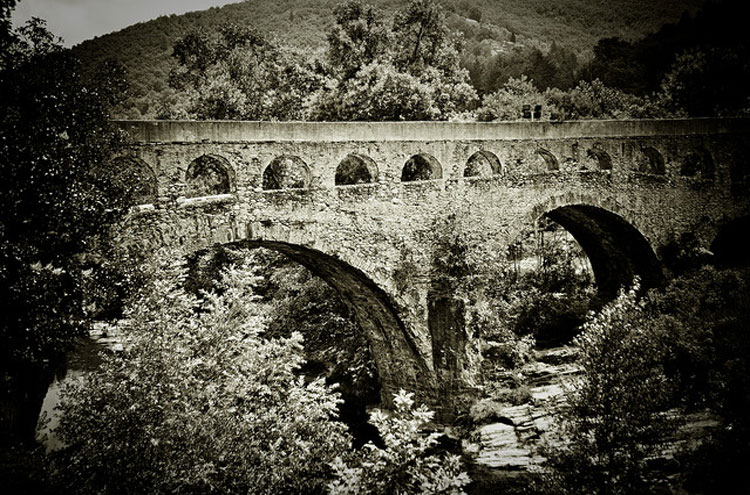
[(210, 175)]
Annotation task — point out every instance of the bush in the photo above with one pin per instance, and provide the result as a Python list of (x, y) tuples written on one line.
[(406, 464), (615, 417), (200, 401)]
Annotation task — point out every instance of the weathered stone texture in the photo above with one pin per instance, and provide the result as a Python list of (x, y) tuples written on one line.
[(374, 242)]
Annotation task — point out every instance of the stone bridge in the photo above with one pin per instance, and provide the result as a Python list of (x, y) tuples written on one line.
[(365, 206)]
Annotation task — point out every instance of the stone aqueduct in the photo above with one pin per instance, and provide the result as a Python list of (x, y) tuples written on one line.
[(623, 189)]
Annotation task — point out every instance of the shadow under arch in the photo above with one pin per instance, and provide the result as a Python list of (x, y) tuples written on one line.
[(483, 163), (421, 166), (209, 175), (397, 358), (653, 162), (356, 169), (617, 250), (286, 172), (698, 162), (729, 247), (550, 161), (602, 158)]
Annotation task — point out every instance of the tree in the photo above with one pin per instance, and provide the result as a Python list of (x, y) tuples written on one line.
[(615, 417), (410, 72), (55, 205), (200, 401), (708, 82), (508, 102), (238, 74), (357, 38)]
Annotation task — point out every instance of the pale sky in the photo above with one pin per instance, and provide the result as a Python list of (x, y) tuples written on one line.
[(78, 20)]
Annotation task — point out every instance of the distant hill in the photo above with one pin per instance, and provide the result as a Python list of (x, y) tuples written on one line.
[(145, 48)]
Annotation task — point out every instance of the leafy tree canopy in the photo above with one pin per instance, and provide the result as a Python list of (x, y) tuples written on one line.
[(200, 401), (238, 74), (56, 196), (408, 72)]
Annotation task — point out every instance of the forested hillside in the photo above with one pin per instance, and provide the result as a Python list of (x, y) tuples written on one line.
[(489, 27)]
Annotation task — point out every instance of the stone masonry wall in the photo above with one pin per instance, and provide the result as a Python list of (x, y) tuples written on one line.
[(374, 242)]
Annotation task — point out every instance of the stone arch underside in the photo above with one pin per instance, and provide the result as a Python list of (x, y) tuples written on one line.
[(398, 360), (286, 172), (483, 163), (618, 252), (549, 160), (602, 158), (652, 161)]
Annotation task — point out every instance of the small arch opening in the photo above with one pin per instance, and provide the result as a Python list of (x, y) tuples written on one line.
[(134, 179), (421, 167), (356, 169), (602, 158), (483, 163), (286, 172), (550, 161), (698, 162), (208, 175), (652, 161)]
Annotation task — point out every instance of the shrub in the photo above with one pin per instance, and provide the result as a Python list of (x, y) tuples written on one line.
[(615, 417), (200, 401), (406, 464)]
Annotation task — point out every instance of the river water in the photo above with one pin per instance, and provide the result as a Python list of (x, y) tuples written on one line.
[(85, 357)]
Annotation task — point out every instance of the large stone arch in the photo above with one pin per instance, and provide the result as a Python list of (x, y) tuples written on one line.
[(396, 354), (617, 249), (209, 175)]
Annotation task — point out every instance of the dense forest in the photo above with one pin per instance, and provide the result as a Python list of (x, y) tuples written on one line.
[(497, 34)]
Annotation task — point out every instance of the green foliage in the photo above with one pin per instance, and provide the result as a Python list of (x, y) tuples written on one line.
[(586, 101), (200, 400), (56, 200), (357, 38), (680, 349), (699, 66), (593, 101), (507, 103), (406, 464), (708, 82), (615, 416), (410, 72), (295, 301), (239, 75)]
